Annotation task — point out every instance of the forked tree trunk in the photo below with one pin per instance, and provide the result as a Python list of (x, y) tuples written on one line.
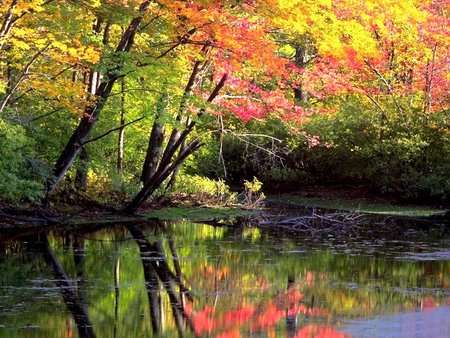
[(154, 149), (92, 111), (169, 162), (155, 141)]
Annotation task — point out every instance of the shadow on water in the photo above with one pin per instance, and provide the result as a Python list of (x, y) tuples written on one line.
[(71, 294), (194, 280)]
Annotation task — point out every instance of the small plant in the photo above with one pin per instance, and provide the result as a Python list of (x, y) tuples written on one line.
[(252, 194), (204, 189)]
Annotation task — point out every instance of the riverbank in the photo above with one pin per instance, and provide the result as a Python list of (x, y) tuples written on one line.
[(335, 199)]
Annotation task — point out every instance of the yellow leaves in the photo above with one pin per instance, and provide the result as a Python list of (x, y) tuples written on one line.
[(19, 44), (74, 52), (95, 3), (3, 86), (59, 45), (26, 6)]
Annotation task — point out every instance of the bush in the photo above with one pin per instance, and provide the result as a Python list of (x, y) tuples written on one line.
[(21, 173), (204, 189), (406, 154)]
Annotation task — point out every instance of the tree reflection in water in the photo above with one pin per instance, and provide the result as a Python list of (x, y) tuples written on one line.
[(68, 290), (253, 318), (156, 273), (163, 279)]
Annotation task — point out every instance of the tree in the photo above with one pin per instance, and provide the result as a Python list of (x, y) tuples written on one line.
[(289, 59)]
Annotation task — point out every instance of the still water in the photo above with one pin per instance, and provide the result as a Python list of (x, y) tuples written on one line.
[(186, 279)]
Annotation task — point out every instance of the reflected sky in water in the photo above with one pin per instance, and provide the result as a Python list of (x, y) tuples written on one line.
[(186, 279)]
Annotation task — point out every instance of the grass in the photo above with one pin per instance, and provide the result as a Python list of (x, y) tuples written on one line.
[(194, 213), (360, 206)]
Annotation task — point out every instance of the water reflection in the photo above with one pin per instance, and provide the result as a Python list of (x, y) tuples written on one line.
[(196, 280), (157, 272), (71, 294)]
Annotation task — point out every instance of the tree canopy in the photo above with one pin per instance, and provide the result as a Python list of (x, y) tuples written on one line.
[(73, 72)]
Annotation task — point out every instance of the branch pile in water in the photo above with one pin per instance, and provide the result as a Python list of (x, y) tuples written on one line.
[(336, 223)]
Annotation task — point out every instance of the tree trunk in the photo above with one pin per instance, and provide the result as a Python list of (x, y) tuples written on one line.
[(301, 59), (82, 170), (155, 141), (92, 112), (174, 175), (175, 135), (157, 134), (168, 164), (158, 178), (121, 130), (8, 22)]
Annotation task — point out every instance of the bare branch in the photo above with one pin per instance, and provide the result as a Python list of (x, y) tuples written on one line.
[(45, 115), (181, 40), (111, 131), (387, 84), (21, 76), (375, 102)]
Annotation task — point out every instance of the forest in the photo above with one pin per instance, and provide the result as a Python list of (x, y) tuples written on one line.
[(123, 101), (162, 164)]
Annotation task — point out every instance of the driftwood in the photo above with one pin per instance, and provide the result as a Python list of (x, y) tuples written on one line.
[(315, 223)]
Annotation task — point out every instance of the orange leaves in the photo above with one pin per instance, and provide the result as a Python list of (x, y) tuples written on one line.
[(319, 331), (262, 316), (406, 41)]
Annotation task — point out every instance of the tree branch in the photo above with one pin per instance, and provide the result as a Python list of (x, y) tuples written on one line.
[(21, 76), (387, 84), (111, 131)]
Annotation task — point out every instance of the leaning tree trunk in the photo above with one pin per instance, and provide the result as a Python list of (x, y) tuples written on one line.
[(156, 137), (155, 142), (92, 112), (169, 162)]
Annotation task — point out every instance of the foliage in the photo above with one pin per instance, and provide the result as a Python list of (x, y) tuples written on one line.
[(20, 171), (252, 194), (110, 187), (407, 155), (205, 189), (57, 58)]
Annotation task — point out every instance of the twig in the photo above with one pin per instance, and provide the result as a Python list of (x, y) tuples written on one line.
[(110, 131)]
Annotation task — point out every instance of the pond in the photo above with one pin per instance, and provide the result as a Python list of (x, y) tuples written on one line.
[(196, 280)]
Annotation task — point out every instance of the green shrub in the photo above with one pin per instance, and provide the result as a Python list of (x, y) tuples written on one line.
[(21, 173), (204, 189), (403, 153)]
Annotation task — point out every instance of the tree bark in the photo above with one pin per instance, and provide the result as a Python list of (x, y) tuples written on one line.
[(8, 22), (92, 111), (158, 178), (175, 135), (121, 130), (82, 171), (155, 141), (301, 59)]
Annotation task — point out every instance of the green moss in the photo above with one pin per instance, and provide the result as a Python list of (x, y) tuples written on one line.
[(360, 206), (195, 213)]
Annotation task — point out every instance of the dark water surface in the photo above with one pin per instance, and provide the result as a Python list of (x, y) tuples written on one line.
[(197, 280)]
